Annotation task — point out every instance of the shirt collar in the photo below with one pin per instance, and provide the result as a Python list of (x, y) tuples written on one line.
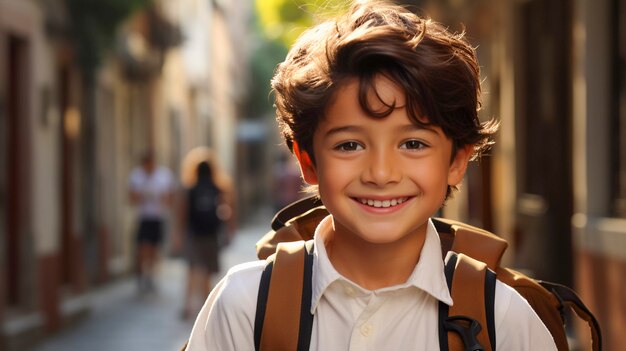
[(428, 274)]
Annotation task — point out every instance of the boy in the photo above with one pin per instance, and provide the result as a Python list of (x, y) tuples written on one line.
[(380, 108)]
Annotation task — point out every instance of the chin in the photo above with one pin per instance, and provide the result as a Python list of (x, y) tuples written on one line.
[(382, 235)]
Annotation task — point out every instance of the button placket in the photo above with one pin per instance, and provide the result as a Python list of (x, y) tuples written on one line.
[(367, 329)]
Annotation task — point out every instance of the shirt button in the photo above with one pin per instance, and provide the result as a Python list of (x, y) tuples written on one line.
[(367, 329), (349, 291)]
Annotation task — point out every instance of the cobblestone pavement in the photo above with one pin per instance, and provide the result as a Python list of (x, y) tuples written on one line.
[(122, 319)]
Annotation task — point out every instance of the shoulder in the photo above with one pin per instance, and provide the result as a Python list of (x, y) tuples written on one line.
[(164, 177), (518, 327), (137, 175), (236, 299), (241, 283), (136, 172), (226, 321), (165, 173)]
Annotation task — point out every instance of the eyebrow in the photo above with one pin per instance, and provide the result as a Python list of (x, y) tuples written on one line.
[(357, 128), (343, 129), (415, 127)]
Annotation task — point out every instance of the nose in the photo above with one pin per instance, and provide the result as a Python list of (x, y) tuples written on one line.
[(382, 168)]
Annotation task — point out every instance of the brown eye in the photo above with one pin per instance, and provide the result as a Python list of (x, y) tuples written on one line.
[(349, 146), (413, 145)]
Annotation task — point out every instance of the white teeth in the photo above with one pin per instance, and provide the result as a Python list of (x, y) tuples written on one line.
[(382, 203)]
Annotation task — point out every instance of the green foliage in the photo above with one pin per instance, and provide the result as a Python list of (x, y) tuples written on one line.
[(285, 20), (94, 23), (264, 59), (279, 23)]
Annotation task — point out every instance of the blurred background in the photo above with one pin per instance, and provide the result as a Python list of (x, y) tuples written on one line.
[(87, 86)]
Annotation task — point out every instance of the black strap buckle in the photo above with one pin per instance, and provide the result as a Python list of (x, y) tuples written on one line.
[(468, 329)]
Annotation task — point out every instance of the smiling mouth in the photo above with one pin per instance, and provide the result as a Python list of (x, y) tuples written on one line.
[(382, 203)]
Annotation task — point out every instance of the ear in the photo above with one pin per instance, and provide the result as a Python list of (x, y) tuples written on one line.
[(309, 173), (459, 164)]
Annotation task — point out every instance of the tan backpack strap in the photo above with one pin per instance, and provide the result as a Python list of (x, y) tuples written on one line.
[(296, 209), (468, 289), (479, 244), (298, 228), (567, 297), (267, 245), (281, 314)]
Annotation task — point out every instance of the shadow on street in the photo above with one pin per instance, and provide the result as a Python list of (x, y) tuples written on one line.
[(122, 319)]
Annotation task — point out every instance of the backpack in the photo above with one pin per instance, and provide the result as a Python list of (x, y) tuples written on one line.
[(284, 322), (203, 200)]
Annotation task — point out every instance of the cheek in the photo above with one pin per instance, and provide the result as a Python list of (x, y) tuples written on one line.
[(333, 174), (429, 175)]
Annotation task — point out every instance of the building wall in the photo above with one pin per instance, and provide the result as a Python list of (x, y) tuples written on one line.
[(488, 196), (3, 178), (502, 75), (601, 284), (583, 97), (224, 88), (599, 238), (174, 109), (32, 162)]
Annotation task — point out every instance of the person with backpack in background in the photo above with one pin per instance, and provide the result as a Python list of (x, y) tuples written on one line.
[(380, 108), (206, 210)]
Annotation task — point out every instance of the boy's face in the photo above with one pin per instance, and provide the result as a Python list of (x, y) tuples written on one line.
[(380, 178)]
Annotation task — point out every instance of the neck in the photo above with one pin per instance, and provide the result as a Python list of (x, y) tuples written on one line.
[(373, 265)]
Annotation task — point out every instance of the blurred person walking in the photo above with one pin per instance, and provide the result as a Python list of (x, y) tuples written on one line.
[(287, 185), (207, 223), (151, 190)]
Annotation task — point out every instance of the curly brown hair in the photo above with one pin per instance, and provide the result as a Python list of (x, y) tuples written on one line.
[(437, 70)]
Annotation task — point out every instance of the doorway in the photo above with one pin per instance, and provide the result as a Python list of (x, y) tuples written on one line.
[(15, 163)]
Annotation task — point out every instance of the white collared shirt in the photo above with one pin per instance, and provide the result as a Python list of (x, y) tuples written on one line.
[(152, 187), (348, 317)]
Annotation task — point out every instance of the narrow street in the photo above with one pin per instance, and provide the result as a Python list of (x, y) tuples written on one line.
[(121, 319)]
